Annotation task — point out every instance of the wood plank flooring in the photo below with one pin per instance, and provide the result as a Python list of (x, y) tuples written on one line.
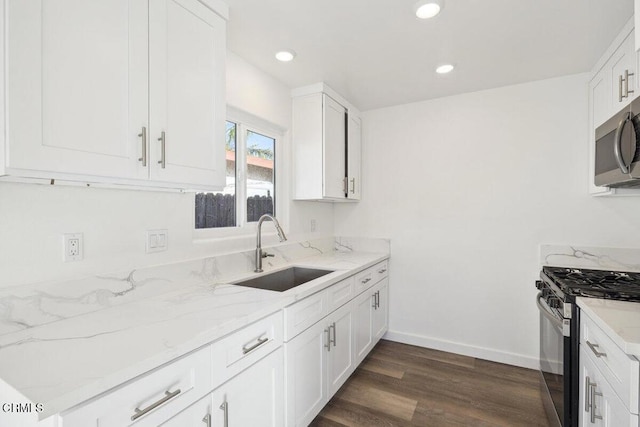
[(403, 385)]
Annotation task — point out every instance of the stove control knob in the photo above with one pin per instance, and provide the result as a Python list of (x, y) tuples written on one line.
[(539, 284), (554, 302)]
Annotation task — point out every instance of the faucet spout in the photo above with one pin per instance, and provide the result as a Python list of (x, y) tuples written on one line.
[(259, 253)]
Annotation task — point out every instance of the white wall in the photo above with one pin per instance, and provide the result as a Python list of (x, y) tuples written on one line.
[(34, 217), (467, 187)]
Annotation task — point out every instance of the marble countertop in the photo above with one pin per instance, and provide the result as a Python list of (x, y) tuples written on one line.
[(66, 361), (620, 320)]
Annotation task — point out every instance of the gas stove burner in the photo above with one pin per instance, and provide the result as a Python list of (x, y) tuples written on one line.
[(619, 285)]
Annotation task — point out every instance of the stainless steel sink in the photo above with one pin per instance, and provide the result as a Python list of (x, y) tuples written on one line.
[(283, 280)]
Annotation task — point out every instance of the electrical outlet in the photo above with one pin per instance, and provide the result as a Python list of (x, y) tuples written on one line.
[(157, 240), (313, 225), (73, 247)]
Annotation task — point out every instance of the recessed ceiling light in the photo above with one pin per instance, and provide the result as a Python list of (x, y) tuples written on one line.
[(285, 55), (428, 8), (444, 69)]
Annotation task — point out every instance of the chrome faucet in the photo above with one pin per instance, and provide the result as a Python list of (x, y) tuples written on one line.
[(259, 252)]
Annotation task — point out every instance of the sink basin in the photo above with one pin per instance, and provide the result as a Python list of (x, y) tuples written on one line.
[(283, 280)]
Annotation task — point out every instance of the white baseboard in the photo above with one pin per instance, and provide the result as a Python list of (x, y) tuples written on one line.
[(464, 349)]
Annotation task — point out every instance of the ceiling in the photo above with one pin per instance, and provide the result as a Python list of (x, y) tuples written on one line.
[(376, 53)]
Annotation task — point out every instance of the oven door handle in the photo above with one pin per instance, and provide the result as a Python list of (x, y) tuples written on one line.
[(556, 321)]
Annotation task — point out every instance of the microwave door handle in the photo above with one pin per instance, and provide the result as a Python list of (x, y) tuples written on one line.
[(617, 147)]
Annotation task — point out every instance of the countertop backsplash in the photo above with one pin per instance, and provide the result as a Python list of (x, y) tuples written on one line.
[(598, 258), (27, 306)]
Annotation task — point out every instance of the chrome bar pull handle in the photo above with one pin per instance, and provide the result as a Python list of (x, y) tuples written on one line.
[(620, 88), (373, 304), (167, 397), (143, 135), (163, 150), (345, 184), (328, 344), (377, 300), (333, 326), (626, 83), (587, 394), (594, 393), (595, 351), (353, 185), (260, 342), (382, 270), (225, 408), (207, 420)]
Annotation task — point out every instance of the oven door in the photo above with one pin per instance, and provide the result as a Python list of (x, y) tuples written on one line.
[(555, 361)]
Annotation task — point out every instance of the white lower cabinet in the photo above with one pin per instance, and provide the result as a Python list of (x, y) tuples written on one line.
[(305, 380), (363, 317), (253, 398), (340, 360), (318, 362), (248, 378), (599, 403), (150, 399), (321, 358), (371, 318), (380, 318), (609, 379)]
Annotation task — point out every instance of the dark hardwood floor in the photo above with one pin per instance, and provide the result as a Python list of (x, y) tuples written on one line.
[(403, 385)]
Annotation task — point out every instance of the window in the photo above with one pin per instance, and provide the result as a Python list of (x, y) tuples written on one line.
[(250, 189)]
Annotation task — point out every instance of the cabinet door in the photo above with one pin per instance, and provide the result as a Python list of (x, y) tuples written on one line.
[(254, 398), (341, 360), (622, 62), (305, 380), (354, 147), (363, 313), (334, 148), (599, 404), (380, 318), (77, 86), (187, 85), (198, 414), (600, 99)]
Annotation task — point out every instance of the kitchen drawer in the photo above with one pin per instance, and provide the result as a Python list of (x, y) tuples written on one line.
[(381, 271), (365, 279), (621, 370), (161, 393), (302, 314), (340, 293), (243, 348)]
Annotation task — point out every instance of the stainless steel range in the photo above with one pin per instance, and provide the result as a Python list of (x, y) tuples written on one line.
[(559, 330)]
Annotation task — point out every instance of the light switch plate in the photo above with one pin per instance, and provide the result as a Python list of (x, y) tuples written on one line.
[(157, 241)]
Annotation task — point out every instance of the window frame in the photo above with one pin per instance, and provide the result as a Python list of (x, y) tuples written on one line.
[(246, 122)]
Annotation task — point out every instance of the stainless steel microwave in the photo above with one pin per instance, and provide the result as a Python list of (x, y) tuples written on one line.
[(617, 159)]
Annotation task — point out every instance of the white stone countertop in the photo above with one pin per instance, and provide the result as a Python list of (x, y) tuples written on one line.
[(620, 320), (65, 362)]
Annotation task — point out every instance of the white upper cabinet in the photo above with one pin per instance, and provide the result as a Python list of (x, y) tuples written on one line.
[(77, 85), (334, 154), (623, 73), (187, 85), (614, 84), (93, 84), (354, 147), (327, 144)]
